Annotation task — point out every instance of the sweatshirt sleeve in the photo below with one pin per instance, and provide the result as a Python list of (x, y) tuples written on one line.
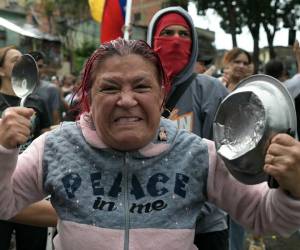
[(212, 93), (293, 85), (20, 178), (256, 207)]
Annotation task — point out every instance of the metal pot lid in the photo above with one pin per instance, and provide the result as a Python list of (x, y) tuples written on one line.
[(247, 119), (284, 91), (24, 76)]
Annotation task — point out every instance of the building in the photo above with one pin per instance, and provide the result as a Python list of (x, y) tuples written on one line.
[(21, 27)]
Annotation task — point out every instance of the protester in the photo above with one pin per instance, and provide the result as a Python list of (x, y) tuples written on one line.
[(68, 84), (173, 36), (115, 184), (72, 100), (204, 64), (293, 84), (236, 66), (27, 237), (276, 69), (48, 91)]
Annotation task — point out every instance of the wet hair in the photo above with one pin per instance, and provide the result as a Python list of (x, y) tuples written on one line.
[(274, 68), (3, 52), (232, 54), (119, 47)]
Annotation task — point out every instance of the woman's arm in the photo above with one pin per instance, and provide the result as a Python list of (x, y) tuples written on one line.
[(257, 207), (40, 214)]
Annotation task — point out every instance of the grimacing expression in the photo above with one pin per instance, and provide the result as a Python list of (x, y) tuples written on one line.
[(126, 100)]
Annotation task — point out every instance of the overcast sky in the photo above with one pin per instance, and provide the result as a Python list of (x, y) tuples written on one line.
[(223, 41)]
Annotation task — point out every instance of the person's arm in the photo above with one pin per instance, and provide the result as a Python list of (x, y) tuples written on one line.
[(40, 214), (20, 176), (257, 207), (296, 49), (212, 93)]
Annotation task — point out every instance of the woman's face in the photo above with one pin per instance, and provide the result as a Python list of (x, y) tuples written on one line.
[(126, 100), (239, 67), (10, 59)]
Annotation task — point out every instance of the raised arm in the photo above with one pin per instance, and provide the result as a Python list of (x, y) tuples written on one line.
[(296, 49), (15, 126), (20, 177), (257, 207)]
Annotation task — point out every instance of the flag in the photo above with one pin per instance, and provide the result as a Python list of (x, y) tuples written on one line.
[(111, 15), (96, 8), (113, 20)]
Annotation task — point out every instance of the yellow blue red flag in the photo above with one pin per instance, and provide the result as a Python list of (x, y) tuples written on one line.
[(111, 15), (97, 8)]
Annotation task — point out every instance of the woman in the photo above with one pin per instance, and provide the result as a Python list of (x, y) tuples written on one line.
[(27, 237), (116, 184), (237, 65)]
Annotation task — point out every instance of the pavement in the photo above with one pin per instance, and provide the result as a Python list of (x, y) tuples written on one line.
[(273, 242)]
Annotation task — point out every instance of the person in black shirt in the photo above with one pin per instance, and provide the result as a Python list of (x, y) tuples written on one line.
[(27, 237)]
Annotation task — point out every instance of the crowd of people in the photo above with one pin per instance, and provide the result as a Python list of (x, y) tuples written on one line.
[(136, 166)]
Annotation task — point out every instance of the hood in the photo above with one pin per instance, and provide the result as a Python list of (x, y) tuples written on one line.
[(189, 69)]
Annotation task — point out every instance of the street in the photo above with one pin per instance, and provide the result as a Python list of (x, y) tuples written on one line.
[(280, 243)]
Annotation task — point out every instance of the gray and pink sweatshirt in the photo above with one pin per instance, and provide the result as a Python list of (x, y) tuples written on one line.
[(147, 199)]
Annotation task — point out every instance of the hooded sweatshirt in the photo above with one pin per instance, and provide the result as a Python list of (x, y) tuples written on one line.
[(195, 109), (140, 200)]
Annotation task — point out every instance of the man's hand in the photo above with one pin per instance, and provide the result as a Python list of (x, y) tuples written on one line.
[(282, 161), (15, 126), (296, 49)]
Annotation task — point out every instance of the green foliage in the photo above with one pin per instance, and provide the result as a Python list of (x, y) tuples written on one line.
[(75, 9), (252, 14), (81, 55), (239, 13)]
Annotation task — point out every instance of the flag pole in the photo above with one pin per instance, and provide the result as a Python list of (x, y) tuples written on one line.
[(127, 19)]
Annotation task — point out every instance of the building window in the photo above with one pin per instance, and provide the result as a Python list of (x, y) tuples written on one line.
[(2, 35), (137, 17)]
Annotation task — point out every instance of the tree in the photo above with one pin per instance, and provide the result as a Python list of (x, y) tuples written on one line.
[(251, 17), (277, 12), (292, 11), (228, 10), (253, 14), (235, 15)]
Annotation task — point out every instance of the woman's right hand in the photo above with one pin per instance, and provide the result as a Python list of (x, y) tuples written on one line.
[(15, 126)]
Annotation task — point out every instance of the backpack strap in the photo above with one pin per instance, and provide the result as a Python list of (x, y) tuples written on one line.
[(178, 92)]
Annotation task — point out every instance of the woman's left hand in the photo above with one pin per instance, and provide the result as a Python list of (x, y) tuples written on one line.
[(282, 161)]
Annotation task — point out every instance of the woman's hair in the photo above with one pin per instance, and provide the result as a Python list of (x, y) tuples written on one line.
[(232, 54), (120, 47), (3, 52)]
